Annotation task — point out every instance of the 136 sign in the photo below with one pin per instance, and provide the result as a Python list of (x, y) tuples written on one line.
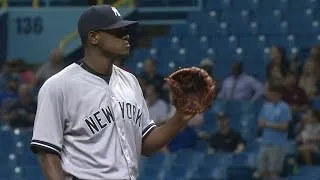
[(29, 25)]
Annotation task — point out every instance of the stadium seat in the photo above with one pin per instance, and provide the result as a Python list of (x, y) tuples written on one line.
[(180, 30), (235, 173), (271, 16), (186, 156), (271, 4), (244, 160), (302, 4), (6, 172), (242, 16), (245, 4), (176, 172), (305, 177), (203, 17), (309, 171), (32, 172)]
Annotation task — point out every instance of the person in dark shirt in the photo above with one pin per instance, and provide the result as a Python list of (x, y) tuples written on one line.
[(226, 139), (293, 94), (22, 112)]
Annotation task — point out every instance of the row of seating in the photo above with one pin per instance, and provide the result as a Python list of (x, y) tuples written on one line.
[(262, 14), (246, 29), (233, 4), (254, 4), (234, 41)]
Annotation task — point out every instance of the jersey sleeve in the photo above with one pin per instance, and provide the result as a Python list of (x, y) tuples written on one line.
[(49, 120)]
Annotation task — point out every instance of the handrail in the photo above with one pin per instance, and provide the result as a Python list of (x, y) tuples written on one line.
[(100, 2), (74, 34), (4, 3), (35, 3)]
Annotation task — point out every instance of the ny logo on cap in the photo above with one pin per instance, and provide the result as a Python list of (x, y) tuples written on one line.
[(116, 12)]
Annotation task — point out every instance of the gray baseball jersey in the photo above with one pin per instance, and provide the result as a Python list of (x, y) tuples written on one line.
[(97, 128)]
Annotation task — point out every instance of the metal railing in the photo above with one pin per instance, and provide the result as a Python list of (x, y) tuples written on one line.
[(4, 3)]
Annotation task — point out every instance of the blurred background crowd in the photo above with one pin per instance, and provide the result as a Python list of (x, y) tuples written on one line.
[(265, 121)]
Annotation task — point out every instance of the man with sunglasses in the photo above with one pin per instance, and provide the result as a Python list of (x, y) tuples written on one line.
[(92, 121)]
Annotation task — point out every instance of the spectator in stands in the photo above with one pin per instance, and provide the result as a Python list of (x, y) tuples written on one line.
[(293, 94), (240, 86), (315, 54), (158, 108), (150, 73), (309, 79), (9, 95), (4, 75), (53, 66), (309, 136), (278, 60), (297, 100), (273, 120), (27, 75), (276, 78), (22, 112), (226, 139), (207, 65)]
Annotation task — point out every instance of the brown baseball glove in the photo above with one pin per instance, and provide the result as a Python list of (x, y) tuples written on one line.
[(192, 88)]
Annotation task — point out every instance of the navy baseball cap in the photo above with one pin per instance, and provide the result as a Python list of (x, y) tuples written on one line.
[(101, 17)]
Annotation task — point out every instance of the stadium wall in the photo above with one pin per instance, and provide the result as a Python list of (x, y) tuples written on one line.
[(33, 33)]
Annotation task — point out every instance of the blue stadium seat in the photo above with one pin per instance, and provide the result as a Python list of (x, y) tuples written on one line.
[(190, 29), (310, 171), (255, 41), (245, 4), (271, 16), (305, 177), (242, 28), (252, 147), (168, 42), (273, 28), (209, 29), (177, 172), (220, 159), (203, 17), (229, 44), (32, 172), (307, 41), (6, 172), (27, 159), (302, 4), (195, 42), (271, 4), (157, 158), (235, 173), (151, 172), (186, 156), (244, 160), (218, 5), (285, 41), (209, 172), (235, 16)]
